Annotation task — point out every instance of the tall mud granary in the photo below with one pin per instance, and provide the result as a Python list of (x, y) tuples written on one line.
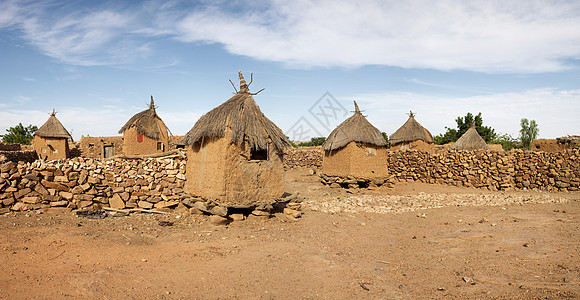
[(51, 140), (411, 136), (355, 149), (145, 133), (234, 154)]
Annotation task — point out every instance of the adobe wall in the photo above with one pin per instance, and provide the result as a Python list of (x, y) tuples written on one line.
[(94, 147), (51, 148), (252, 182), (206, 168), (415, 145), (354, 161), (85, 183), (132, 146), (548, 145), (222, 171)]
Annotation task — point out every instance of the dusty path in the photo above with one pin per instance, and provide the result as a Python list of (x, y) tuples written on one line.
[(528, 250)]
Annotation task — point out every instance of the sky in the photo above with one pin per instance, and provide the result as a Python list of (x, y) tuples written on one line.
[(97, 63)]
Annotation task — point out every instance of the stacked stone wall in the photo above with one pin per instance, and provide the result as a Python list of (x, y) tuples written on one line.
[(84, 183), (303, 157), (16, 156), (549, 171), (492, 170)]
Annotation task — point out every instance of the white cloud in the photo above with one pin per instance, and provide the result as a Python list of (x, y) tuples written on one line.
[(485, 36), (556, 111)]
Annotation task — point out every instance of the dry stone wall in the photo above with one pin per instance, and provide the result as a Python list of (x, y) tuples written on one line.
[(82, 183), (555, 171), (16, 156), (305, 157), (493, 170)]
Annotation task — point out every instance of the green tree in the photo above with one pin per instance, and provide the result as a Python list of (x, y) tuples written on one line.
[(386, 137), (315, 141), (507, 142), (528, 132), (463, 124), (19, 134)]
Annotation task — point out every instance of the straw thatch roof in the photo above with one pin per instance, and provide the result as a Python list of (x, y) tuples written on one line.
[(146, 123), (243, 117), (411, 131), (53, 129), (470, 140), (354, 129)]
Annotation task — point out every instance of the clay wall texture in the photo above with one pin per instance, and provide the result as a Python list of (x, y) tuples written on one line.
[(356, 160), (85, 183), (132, 146), (51, 148), (415, 145), (222, 171), (94, 147)]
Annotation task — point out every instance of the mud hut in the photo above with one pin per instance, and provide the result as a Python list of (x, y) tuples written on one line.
[(145, 133), (411, 136), (355, 149), (51, 140), (470, 140), (234, 153)]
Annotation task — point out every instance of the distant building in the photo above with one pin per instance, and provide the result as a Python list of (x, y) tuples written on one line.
[(470, 140), (51, 140), (145, 133), (411, 136), (355, 149), (234, 154)]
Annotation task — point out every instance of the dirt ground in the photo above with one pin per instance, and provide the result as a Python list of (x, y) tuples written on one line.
[(528, 249)]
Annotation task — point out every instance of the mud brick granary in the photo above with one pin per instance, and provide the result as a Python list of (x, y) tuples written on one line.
[(51, 140), (411, 136), (234, 153), (145, 133), (470, 140), (355, 149)]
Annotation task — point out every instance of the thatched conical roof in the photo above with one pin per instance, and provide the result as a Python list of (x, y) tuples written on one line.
[(411, 131), (52, 128), (470, 140), (243, 117), (146, 123), (354, 129)]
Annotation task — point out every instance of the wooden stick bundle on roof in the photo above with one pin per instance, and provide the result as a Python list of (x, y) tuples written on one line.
[(243, 117)]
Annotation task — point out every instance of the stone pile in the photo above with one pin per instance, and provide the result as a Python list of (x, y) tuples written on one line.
[(85, 183), (547, 171), (355, 183), (305, 157)]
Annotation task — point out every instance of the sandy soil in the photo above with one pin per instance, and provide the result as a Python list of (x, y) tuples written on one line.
[(526, 248)]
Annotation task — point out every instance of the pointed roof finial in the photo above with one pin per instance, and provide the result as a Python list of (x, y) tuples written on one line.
[(356, 109), (243, 84), (411, 114), (53, 113), (472, 125), (152, 105)]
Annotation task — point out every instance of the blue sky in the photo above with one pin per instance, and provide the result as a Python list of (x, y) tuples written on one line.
[(98, 62)]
